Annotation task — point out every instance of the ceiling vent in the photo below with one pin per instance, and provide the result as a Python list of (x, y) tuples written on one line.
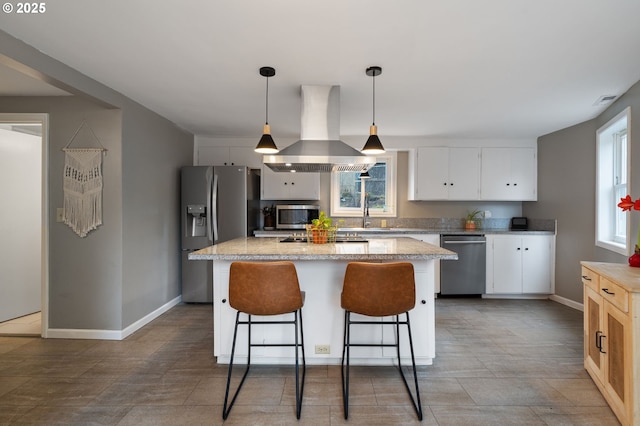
[(604, 100)]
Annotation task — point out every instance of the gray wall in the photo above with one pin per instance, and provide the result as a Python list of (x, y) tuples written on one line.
[(130, 266), (153, 152), (566, 188)]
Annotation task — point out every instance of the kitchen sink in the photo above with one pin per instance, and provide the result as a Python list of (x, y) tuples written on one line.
[(339, 239)]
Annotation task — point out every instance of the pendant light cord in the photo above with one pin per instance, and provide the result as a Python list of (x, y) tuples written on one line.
[(266, 113), (374, 99)]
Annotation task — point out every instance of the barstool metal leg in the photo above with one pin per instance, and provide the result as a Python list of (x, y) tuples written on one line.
[(345, 374), (225, 410), (299, 383), (299, 347), (417, 404)]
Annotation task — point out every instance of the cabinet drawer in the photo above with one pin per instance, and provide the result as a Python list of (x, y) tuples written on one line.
[(613, 293), (591, 279)]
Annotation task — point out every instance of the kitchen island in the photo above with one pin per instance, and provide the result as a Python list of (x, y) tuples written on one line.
[(321, 270)]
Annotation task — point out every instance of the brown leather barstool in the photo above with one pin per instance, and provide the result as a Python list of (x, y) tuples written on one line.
[(378, 290), (264, 289)]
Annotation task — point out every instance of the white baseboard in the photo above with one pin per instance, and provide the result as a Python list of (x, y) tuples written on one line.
[(62, 333), (567, 302), (515, 296)]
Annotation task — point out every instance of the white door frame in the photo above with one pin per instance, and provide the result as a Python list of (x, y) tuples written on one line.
[(43, 119)]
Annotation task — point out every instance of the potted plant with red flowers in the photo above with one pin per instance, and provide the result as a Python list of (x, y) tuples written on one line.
[(627, 204)]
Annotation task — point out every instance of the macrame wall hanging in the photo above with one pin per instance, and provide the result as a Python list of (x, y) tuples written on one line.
[(83, 185)]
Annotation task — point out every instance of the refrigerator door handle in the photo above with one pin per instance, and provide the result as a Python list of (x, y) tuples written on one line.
[(214, 210)]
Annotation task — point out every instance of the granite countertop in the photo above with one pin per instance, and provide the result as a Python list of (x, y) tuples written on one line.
[(409, 231), (272, 249)]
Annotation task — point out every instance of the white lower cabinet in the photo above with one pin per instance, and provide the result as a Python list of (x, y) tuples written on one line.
[(519, 264)]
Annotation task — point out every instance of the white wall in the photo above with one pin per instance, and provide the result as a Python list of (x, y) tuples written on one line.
[(20, 224)]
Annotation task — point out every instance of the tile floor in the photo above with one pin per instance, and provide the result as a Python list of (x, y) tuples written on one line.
[(499, 362)]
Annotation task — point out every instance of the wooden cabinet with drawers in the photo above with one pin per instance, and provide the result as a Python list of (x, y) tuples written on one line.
[(612, 335)]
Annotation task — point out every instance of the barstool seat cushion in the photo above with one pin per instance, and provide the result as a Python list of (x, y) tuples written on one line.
[(378, 289), (264, 288)]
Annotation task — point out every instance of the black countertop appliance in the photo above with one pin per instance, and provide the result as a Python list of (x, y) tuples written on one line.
[(519, 224)]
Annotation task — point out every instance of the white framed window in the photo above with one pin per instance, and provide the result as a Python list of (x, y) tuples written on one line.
[(612, 175), (348, 191)]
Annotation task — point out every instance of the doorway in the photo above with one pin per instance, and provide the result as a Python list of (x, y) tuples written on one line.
[(23, 221)]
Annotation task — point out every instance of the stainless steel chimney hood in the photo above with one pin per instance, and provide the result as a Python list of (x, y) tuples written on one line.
[(319, 148)]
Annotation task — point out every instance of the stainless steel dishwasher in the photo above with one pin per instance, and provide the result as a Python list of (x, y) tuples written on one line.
[(467, 275)]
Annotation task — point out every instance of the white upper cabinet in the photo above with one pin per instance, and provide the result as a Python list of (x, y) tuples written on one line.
[(229, 156), (443, 173), (509, 174), (289, 186)]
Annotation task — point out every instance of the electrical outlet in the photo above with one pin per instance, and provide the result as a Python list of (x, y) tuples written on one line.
[(323, 349), (59, 214), (383, 223)]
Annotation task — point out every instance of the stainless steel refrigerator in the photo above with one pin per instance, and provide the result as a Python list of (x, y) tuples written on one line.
[(218, 204)]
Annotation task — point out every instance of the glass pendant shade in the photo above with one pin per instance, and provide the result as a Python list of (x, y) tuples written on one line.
[(266, 145), (373, 145)]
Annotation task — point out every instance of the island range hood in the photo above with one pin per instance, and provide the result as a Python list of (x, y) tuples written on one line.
[(319, 148)]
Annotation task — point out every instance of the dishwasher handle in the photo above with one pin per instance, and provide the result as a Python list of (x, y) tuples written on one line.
[(463, 242)]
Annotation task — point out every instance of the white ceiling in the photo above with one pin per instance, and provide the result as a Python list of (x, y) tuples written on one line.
[(454, 68)]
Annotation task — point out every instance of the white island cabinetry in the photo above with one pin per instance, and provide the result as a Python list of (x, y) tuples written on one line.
[(321, 269)]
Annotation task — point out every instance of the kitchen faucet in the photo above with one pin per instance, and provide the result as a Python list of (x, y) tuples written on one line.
[(365, 211)]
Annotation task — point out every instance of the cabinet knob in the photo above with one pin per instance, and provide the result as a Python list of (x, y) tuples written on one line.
[(424, 302), (451, 184), (445, 184), (526, 248), (293, 183), (285, 183), (508, 184), (518, 249), (224, 300)]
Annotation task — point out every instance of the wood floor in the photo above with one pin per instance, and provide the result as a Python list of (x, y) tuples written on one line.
[(499, 362)]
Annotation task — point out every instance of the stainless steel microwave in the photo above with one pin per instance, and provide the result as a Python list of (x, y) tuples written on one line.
[(295, 216)]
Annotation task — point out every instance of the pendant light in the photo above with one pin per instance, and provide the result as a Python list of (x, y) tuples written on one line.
[(266, 144), (365, 175), (373, 145)]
